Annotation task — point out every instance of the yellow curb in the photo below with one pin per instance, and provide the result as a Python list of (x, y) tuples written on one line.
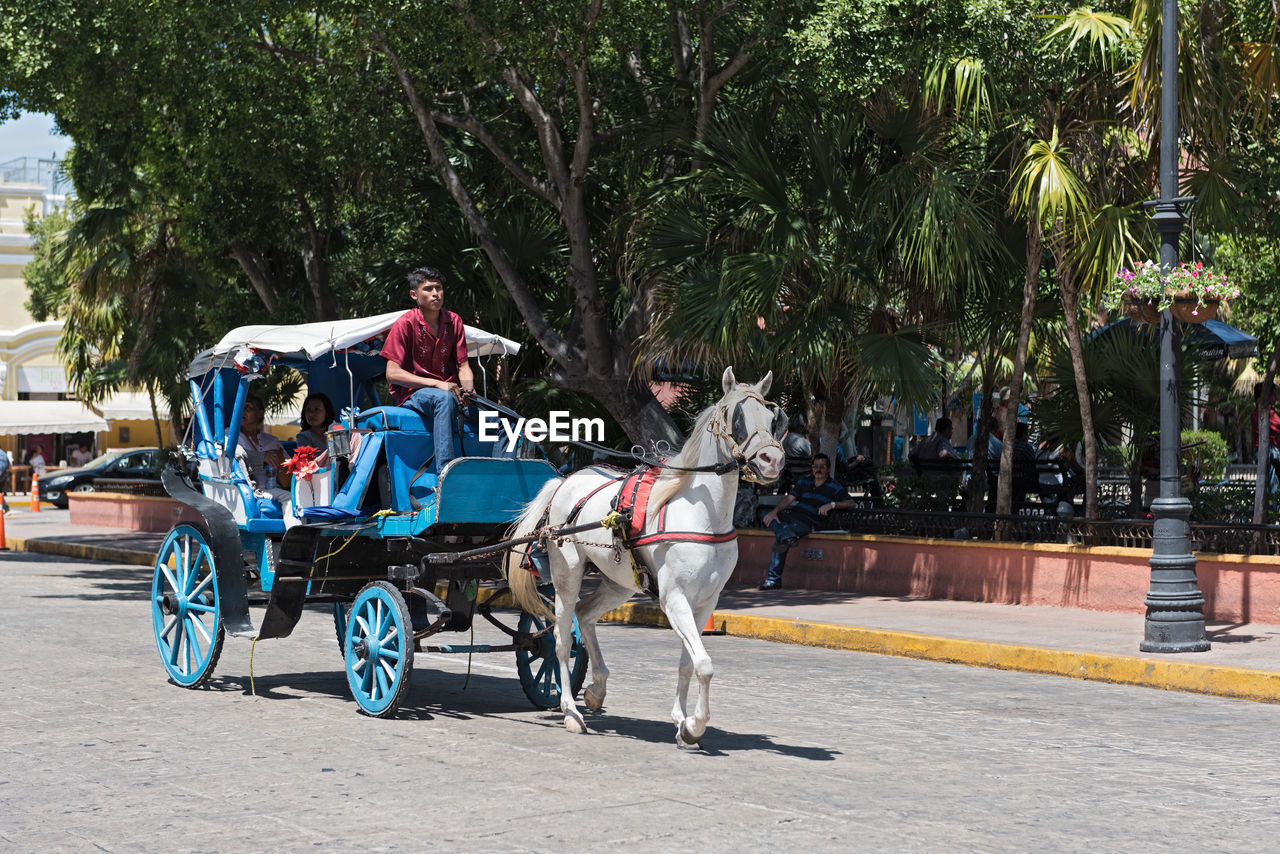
[(1220, 681), (639, 614), (83, 552)]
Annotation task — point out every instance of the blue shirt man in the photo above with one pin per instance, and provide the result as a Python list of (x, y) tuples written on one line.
[(800, 512)]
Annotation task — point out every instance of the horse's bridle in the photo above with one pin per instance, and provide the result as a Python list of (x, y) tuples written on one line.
[(726, 429)]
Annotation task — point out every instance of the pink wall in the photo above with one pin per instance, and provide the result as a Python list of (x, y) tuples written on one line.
[(1236, 588), (134, 512)]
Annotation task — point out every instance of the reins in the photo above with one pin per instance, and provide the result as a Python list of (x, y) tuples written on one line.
[(717, 426)]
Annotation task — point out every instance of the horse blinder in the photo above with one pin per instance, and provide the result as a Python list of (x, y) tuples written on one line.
[(779, 426)]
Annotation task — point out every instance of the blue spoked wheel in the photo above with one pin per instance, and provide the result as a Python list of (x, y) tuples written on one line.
[(378, 649), (184, 606), (539, 671), (340, 625)]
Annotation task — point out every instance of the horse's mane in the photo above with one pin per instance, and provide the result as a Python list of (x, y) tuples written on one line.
[(671, 482)]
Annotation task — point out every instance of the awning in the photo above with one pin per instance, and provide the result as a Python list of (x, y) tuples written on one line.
[(131, 406), (310, 341), (22, 417), (1213, 340), (1233, 342)]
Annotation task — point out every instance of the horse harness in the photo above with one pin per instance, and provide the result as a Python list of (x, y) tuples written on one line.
[(629, 507), (625, 520)]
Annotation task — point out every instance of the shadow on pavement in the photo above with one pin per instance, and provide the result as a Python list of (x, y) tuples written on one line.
[(716, 742)]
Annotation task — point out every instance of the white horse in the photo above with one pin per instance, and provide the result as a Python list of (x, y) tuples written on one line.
[(692, 551)]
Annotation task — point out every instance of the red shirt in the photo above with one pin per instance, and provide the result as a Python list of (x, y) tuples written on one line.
[(413, 346), (1275, 428)]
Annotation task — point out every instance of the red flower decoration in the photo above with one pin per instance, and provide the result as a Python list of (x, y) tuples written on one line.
[(303, 462)]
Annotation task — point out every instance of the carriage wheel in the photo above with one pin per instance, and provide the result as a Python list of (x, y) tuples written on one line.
[(539, 671), (184, 606), (378, 649), (340, 611)]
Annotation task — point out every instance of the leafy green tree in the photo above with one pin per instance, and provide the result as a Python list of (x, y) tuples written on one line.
[(580, 108), (117, 276)]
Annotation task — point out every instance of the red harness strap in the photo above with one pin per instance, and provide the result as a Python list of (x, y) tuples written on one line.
[(664, 536), (632, 499)]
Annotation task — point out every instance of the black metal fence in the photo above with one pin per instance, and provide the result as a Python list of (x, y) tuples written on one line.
[(129, 486), (1041, 527)]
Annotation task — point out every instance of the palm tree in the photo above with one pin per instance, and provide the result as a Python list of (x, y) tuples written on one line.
[(1073, 182), (797, 251), (128, 318)]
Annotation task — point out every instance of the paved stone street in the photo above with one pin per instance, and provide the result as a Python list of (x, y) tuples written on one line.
[(809, 749)]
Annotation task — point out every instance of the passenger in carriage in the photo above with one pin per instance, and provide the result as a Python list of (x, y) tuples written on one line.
[(317, 415), (427, 367), (259, 452)]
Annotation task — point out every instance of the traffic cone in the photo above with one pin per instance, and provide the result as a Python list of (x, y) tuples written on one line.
[(710, 627), (35, 493), (4, 544)]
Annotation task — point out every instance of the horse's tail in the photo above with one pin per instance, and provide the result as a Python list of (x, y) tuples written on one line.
[(522, 582)]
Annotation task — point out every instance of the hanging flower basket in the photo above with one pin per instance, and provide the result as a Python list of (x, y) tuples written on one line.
[(1141, 311), (1197, 293), (1189, 308), (1192, 293)]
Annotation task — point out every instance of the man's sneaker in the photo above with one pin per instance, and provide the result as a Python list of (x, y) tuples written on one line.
[(770, 585)]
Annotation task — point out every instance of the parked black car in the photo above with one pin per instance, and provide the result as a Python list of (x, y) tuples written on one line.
[(132, 464)]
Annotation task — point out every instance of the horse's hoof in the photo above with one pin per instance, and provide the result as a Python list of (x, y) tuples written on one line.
[(687, 745), (574, 725), (594, 701), (684, 741)]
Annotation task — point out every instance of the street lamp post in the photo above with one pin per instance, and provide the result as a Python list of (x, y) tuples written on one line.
[(1175, 605)]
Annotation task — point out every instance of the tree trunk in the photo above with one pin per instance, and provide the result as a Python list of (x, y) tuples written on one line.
[(1264, 437), (978, 475), (264, 284), (628, 399), (600, 367), (315, 261), (1035, 249), (1071, 308)]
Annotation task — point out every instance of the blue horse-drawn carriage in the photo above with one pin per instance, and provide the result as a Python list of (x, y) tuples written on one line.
[(401, 551)]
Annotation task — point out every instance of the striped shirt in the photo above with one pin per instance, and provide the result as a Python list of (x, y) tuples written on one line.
[(809, 497)]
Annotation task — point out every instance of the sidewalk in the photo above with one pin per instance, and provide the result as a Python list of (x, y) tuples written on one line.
[(1243, 663)]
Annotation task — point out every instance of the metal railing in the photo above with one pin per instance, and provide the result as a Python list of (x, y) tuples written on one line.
[(1038, 525), (129, 486)]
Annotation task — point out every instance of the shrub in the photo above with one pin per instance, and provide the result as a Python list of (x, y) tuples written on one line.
[(1206, 460)]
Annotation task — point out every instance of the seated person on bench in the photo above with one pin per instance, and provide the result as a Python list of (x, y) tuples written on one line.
[(427, 368), (260, 453)]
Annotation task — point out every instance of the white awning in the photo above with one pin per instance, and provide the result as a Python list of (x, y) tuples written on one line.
[(131, 406), (313, 340), (21, 417)]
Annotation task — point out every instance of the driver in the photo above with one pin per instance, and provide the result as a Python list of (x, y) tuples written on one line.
[(427, 368)]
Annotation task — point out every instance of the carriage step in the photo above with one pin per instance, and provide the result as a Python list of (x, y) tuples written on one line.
[(289, 590)]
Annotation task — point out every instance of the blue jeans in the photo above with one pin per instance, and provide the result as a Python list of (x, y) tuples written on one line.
[(787, 528), (438, 409)]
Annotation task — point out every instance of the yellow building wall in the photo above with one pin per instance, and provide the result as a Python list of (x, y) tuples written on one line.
[(13, 296)]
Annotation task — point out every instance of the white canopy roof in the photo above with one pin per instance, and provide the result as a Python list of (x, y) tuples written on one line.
[(317, 339), (22, 417), (130, 406)]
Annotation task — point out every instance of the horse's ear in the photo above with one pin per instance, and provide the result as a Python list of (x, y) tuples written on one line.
[(765, 383), (728, 381)]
